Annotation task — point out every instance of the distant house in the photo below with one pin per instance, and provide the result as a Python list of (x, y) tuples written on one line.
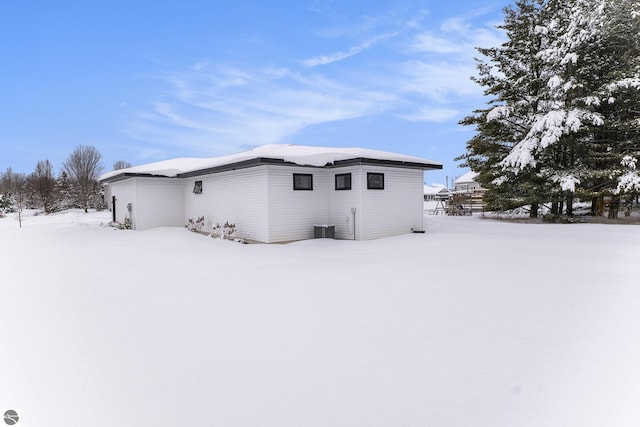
[(468, 194), (277, 193), (436, 192), (466, 182)]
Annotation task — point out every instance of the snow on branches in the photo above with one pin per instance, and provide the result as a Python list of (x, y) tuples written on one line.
[(546, 130), (567, 182), (563, 103), (630, 181)]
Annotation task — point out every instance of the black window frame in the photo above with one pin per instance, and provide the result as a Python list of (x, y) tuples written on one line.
[(297, 184), (371, 181), (347, 183), (197, 187)]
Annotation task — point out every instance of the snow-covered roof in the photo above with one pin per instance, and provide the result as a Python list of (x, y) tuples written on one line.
[(435, 189), (467, 177), (296, 154)]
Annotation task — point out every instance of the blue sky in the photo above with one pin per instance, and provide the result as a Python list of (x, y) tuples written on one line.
[(149, 80)]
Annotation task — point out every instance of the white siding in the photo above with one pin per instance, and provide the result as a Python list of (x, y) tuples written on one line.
[(155, 202), (160, 203), (342, 201), (262, 203), (395, 210), (107, 196), (293, 213), (239, 197), (125, 192)]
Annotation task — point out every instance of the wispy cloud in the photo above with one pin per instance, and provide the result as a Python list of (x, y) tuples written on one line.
[(431, 114), (457, 35), (422, 74), (441, 63), (429, 42), (439, 81), (270, 106), (339, 56)]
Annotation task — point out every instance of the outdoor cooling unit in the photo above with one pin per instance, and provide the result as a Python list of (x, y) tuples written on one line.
[(324, 231)]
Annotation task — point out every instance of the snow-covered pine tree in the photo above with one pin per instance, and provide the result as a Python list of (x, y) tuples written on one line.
[(6, 204), (513, 77), (619, 90), (594, 53), (64, 194), (563, 130), (583, 116)]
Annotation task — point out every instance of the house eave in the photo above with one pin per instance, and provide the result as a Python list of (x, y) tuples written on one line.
[(127, 175), (340, 163), (270, 161), (390, 163)]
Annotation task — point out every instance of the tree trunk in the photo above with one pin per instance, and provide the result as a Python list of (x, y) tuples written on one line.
[(599, 206), (569, 204), (554, 207), (534, 211), (628, 205), (614, 204)]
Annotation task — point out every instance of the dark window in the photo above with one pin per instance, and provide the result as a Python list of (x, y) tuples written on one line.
[(302, 181), (375, 181), (343, 181), (197, 187)]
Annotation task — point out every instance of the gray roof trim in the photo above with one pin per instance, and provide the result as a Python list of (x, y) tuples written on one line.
[(127, 175), (234, 166), (268, 161), (393, 163)]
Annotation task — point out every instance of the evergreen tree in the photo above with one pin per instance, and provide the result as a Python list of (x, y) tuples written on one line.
[(563, 90), (64, 194), (6, 191), (513, 78)]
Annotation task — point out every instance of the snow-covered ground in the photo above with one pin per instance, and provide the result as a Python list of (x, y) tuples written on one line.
[(475, 323)]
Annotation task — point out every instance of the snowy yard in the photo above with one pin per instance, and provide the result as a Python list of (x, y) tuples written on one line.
[(475, 323)]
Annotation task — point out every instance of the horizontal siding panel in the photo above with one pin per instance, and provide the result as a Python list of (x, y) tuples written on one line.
[(239, 197), (293, 213), (160, 202), (395, 210), (125, 192), (342, 201)]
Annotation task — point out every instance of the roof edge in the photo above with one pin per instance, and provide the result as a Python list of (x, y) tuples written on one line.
[(270, 161), (127, 175)]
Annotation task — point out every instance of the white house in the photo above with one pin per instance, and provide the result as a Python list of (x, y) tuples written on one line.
[(468, 194), (436, 192), (277, 193), (466, 182)]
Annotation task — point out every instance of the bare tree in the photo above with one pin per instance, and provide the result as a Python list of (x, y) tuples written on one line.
[(5, 181), (83, 167), (42, 184), (121, 164)]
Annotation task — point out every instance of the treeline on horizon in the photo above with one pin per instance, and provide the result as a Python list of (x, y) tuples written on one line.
[(74, 187)]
